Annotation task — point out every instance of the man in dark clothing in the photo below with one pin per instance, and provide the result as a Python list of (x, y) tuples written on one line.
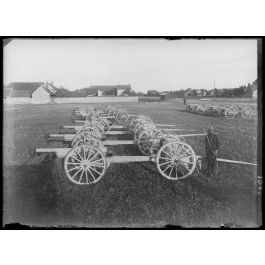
[(211, 148), (184, 101)]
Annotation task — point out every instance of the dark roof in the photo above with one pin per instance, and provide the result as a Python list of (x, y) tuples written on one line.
[(23, 89), (25, 86), (20, 93)]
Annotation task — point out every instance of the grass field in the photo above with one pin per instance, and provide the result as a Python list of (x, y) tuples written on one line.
[(36, 191)]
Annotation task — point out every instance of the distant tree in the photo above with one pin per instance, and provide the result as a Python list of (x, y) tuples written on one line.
[(62, 88)]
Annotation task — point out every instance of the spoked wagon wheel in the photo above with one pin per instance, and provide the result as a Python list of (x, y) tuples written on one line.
[(247, 113), (98, 126), (149, 141), (103, 122), (216, 110), (93, 129), (140, 130), (90, 141), (176, 160), (83, 135), (124, 117), (85, 165), (231, 112)]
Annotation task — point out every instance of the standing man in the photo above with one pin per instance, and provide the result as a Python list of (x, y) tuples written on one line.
[(184, 101), (211, 148)]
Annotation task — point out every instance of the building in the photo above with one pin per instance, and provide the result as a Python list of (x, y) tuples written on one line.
[(117, 90), (164, 96), (254, 94), (203, 92), (188, 92), (53, 89), (214, 93), (152, 93), (28, 92), (254, 89)]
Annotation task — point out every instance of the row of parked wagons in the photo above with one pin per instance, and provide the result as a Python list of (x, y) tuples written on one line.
[(227, 111)]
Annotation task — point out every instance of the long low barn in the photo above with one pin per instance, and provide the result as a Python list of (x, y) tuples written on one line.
[(26, 92)]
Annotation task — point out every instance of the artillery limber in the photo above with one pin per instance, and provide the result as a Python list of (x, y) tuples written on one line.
[(86, 159)]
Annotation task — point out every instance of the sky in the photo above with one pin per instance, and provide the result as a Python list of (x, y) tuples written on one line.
[(143, 63)]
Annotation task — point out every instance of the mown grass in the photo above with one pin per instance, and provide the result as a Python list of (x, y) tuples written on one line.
[(36, 191)]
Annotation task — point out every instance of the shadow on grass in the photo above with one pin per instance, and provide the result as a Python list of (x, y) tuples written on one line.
[(30, 194)]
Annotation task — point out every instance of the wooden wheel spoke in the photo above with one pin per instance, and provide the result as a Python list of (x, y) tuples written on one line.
[(176, 168), (181, 161), (178, 151), (188, 156), (71, 163), (181, 170), (185, 164), (81, 176), (143, 140), (91, 174), (93, 156), (94, 161), (146, 146), (165, 163), (91, 167), (167, 167), (171, 171), (166, 153), (166, 158), (74, 168), (79, 155), (86, 176), (76, 173), (75, 158)]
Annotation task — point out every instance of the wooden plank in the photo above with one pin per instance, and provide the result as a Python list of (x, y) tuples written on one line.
[(177, 130), (232, 161), (60, 136), (167, 125), (129, 159), (78, 127), (70, 137), (235, 162), (192, 134), (60, 152), (118, 142), (117, 132), (106, 117)]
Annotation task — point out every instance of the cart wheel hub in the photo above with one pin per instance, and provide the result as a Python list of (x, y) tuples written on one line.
[(85, 164)]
